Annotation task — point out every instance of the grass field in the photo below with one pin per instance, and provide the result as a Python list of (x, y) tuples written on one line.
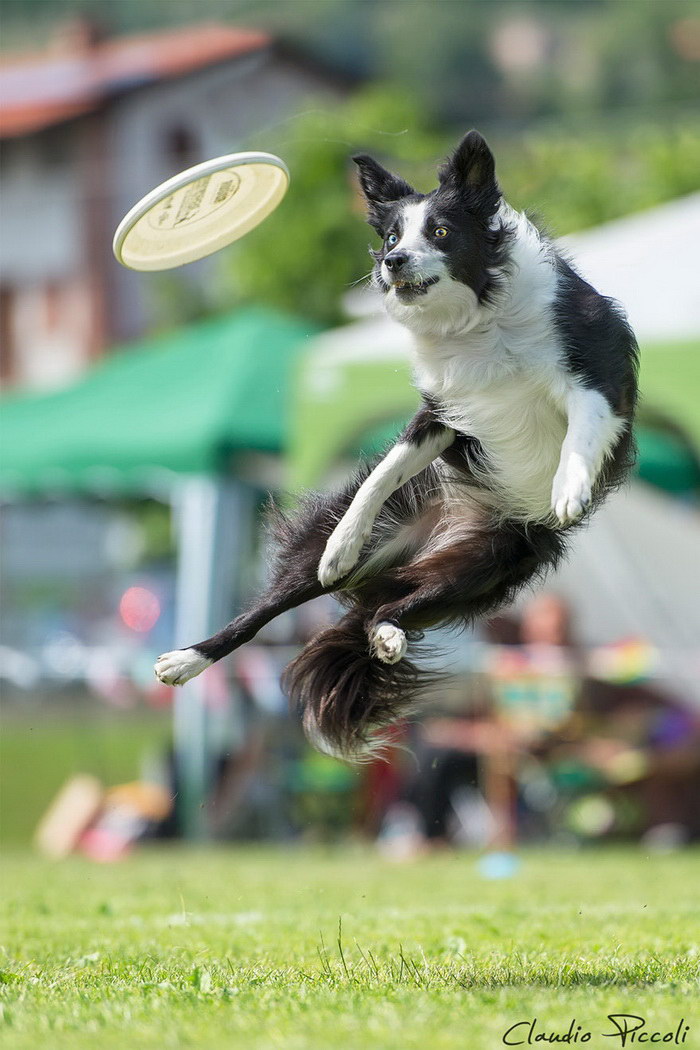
[(39, 750), (247, 948)]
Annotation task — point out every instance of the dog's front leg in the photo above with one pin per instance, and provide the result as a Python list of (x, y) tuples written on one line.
[(422, 442), (592, 431)]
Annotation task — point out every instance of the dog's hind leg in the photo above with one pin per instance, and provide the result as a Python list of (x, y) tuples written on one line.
[(471, 571), (298, 542), (179, 666)]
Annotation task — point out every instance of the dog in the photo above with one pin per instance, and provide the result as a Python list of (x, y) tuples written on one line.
[(528, 380)]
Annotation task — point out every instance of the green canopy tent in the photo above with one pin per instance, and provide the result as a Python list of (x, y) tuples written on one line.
[(168, 418), (180, 404)]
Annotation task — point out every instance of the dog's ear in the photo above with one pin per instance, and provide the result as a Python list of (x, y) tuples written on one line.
[(381, 189), (472, 168)]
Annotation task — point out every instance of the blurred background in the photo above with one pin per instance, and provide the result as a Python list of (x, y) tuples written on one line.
[(146, 418)]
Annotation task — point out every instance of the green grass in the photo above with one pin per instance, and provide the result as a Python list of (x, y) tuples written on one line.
[(262, 948), (40, 750)]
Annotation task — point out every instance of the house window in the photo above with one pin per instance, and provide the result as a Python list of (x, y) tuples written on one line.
[(7, 342), (55, 147), (53, 303), (181, 148)]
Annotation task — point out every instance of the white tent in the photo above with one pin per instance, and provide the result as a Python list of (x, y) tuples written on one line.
[(649, 262)]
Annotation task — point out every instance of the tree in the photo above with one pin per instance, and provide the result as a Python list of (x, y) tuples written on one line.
[(314, 247)]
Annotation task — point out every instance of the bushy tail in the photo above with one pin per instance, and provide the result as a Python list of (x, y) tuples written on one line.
[(346, 696)]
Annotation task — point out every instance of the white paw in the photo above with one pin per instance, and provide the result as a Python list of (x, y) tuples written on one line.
[(178, 667), (388, 643), (341, 554), (571, 491)]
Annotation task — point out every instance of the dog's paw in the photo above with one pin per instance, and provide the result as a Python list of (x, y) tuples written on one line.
[(341, 554), (388, 643), (571, 491), (178, 667)]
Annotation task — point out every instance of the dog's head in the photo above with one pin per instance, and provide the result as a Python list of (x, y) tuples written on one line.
[(441, 252)]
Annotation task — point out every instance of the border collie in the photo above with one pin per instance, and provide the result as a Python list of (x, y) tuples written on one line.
[(528, 384)]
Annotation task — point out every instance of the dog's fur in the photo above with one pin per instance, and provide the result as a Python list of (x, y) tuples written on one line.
[(528, 380)]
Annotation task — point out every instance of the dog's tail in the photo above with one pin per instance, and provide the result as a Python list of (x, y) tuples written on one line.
[(346, 695)]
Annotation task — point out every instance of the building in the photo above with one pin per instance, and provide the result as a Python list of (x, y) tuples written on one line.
[(90, 125)]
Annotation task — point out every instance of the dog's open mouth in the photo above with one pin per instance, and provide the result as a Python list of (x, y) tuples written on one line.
[(406, 289)]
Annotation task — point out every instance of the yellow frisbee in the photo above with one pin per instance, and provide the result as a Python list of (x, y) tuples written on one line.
[(200, 211)]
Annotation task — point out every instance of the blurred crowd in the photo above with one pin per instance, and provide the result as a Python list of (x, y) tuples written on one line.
[(533, 739)]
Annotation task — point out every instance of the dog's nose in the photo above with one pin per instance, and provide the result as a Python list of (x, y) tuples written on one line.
[(394, 261)]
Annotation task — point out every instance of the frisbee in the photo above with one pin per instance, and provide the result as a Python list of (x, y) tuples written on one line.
[(200, 211)]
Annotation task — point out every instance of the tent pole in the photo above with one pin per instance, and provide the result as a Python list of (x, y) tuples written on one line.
[(213, 520)]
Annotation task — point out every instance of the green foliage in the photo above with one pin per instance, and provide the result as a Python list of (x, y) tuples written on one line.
[(221, 949), (315, 247), (579, 179)]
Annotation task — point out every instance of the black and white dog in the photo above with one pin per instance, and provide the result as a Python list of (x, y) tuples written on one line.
[(528, 380)]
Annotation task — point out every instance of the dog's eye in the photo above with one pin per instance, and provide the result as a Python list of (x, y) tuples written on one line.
[(391, 240), (440, 231)]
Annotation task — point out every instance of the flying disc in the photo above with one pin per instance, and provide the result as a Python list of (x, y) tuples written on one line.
[(200, 211)]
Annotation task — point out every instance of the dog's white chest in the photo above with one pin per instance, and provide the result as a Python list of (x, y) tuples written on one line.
[(518, 417)]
